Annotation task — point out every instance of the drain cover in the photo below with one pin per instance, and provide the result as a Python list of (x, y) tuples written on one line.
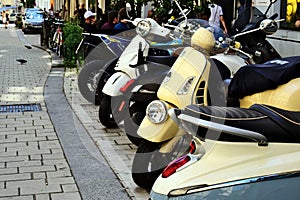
[(20, 108)]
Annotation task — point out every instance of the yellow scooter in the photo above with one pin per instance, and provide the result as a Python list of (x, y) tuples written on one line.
[(247, 152), (186, 83)]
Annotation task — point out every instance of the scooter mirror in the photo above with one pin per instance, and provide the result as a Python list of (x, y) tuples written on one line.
[(268, 26), (128, 7)]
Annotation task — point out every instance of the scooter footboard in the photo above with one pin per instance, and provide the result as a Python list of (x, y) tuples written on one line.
[(114, 83)]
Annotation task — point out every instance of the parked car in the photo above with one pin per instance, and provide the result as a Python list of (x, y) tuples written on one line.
[(32, 10), (33, 22)]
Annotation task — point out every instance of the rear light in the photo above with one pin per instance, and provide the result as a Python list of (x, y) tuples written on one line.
[(127, 85), (192, 147), (173, 166)]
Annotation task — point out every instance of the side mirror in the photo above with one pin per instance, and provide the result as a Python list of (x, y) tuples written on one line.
[(268, 26), (128, 7)]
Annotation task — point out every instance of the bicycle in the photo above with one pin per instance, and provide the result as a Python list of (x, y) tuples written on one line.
[(56, 37)]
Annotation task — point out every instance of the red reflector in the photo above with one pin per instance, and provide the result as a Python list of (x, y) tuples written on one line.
[(122, 106), (192, 147), (173, 166), (127, 85)]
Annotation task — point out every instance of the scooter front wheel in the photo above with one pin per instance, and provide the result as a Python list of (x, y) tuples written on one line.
[(149, 162), (146, 164), (105, 113), (132, 120)]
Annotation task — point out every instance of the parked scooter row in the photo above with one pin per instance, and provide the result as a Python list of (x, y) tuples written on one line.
[(194, 78), (197, 77)]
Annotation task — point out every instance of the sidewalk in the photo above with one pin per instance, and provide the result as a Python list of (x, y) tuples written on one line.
[(32, 163), (43, 155)]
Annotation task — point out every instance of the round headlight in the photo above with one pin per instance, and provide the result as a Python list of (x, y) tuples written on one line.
[(157, 112), (143, 28)]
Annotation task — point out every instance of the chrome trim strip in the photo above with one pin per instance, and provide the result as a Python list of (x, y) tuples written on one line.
[(205, 187)]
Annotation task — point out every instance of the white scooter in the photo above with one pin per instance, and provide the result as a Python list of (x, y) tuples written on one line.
[(151, 42)]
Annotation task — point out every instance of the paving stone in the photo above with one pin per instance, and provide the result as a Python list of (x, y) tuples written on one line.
[(8, 171), (42, 197), (73, 196), (7, 192), (15, 177), (43, 168), (69, 188)]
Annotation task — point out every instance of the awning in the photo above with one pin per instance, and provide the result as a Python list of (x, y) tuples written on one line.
[(7, 8)]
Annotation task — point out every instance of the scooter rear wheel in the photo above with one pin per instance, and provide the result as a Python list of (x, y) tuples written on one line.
[(88, 80), (105, 113)]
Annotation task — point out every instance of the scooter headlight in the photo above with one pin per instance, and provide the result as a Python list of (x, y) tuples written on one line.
[(143, 28), (157, 111)]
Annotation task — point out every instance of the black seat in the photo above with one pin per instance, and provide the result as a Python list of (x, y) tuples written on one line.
[(275, 124)]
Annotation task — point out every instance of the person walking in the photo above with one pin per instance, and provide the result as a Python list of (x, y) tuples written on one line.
[(4, 19), (216, 16)]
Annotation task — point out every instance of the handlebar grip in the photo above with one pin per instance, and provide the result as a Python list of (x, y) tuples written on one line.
[(274, 16)]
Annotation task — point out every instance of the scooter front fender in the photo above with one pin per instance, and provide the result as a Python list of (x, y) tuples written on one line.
[(157, 132), (114, 83)]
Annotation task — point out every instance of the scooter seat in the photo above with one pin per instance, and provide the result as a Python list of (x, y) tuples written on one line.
[(275, 124)]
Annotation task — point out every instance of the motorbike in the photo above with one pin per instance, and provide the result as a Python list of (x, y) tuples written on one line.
[(246, 152), (101, 55), (191, 78), (153, 44), (101, 51)]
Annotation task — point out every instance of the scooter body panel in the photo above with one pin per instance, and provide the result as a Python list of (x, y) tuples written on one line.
[(284, 96), (130, 55), (232, 61), (114, 83), (178, 87), (230, 162)]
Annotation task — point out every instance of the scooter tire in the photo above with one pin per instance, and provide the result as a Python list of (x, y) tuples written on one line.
[(149, 162), (140, 173), (105, 113), (88, 79), (132, 120)]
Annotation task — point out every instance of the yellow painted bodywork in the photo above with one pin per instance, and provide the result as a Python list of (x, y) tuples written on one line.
[(285, 96), (230, 161), (190, 63)]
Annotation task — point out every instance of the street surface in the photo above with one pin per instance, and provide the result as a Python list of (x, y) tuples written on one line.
[(60, 150)]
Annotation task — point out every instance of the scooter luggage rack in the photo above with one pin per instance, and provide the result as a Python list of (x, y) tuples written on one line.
[(259, 138)]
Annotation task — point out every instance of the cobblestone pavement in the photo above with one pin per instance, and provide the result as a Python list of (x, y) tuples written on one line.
[(113, 143), (32, 162)]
